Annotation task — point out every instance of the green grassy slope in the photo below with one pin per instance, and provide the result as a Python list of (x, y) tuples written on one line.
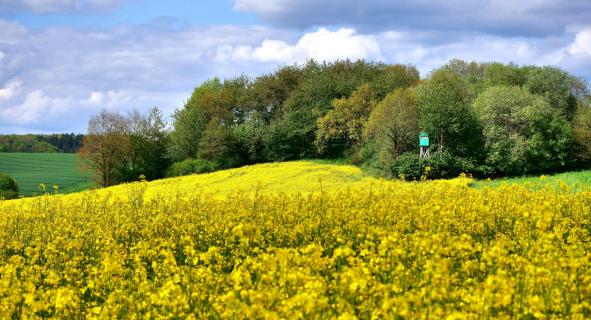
[(31, 169), (577, 180)]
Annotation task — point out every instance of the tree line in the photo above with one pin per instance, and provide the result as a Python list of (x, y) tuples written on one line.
[(487, 119), (41, 143)]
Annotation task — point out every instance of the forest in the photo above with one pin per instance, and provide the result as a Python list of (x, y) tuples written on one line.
[(41, 143), (483, 119)]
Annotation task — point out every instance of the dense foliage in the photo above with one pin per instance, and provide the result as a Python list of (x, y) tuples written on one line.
[(372, 250), (8, 187), (484, 118), (190, 166), (522, 132), (276, 117), (41, 143)]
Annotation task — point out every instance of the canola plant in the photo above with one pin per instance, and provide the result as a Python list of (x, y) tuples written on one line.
[(369, 250)]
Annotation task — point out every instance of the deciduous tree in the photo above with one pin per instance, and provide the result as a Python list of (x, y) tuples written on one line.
[(447, 116), (342, 127), (393, 125), (522, 132), (105, 146)]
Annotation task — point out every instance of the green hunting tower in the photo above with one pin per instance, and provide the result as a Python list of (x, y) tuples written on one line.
[(424, 144)]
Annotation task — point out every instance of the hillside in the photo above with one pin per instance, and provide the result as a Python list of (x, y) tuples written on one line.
[(32, 169), (283, 249), (281, 177), (313, 177), (285, 177)]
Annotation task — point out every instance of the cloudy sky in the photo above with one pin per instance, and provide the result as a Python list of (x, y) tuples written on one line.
[(63, 60)]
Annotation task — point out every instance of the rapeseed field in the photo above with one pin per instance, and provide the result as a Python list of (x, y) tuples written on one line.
[(298, 241)]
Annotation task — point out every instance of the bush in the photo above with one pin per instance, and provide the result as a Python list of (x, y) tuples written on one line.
[(8, 187), (191, 166), (409, 166), (442, 165)]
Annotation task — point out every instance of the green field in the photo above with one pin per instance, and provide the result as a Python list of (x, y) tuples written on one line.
[(32, 169), (577, 180)]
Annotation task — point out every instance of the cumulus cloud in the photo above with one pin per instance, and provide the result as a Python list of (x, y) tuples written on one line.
[(53, 79), (10, 90), (67, 74), (38, 111), (582, 44), (322, 45), (405, 48), (499, 17)]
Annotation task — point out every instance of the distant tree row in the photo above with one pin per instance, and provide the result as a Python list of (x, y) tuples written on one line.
[(41, 143), (488, 119)]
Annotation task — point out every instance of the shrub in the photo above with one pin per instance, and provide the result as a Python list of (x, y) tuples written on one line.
[(408, 165), (191, 166), (442, 165), (8, 187)]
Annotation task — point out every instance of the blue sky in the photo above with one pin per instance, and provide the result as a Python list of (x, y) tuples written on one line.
[(141, 12), (62, 61)]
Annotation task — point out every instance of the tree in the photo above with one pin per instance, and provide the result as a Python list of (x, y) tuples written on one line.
[(312, 100), (147, 150), (522, 132), (246, 140), (291, 136), (393, 126), (8, 187), (268, 93), (156, 140), (497, 74), (446, 115), (212, 146), (342, 127), (466, 70), (582, 128), (190, 122), (556, 86), (472, 74), (393, 77), (105, 146)]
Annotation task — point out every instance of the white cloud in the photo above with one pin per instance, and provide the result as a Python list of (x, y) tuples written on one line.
[(421, 50), (42, 111), (10, 90), (54, 79), (322, 45), (266, 6), (110, 99), (582, 44), (66, 74), (31, 110), (11, 32)]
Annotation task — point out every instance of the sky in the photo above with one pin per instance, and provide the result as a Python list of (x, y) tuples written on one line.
[(62, 61)]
